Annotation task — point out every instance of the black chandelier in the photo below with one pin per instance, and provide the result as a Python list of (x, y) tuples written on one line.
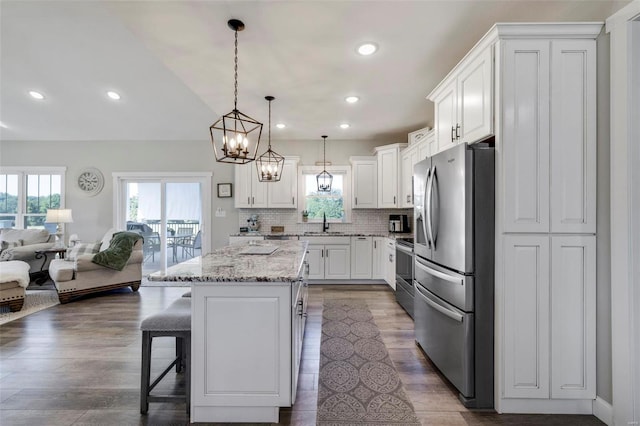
[(324, 178), (235, 136), (270, 164)]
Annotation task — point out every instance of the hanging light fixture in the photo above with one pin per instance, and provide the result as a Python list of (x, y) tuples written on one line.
[(324, 178), (270, 163), (235, 136)]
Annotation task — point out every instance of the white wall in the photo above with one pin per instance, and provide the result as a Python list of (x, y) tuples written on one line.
[(94, 215)]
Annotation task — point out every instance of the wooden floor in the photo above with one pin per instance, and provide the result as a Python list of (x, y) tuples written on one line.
[(79, 364)]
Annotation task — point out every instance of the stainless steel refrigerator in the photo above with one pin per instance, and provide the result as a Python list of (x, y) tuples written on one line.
[(454, 267)]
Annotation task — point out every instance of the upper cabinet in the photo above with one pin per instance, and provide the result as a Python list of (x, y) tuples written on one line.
[(420, 145), (464, 102), (364, 179), (250, 193), (388, 177), (284, 194), (549, 121)]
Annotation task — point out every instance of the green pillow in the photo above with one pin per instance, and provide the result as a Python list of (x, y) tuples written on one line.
[(119, 251)]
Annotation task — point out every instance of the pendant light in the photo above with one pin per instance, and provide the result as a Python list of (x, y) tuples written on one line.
[(235, 136), (270, 163), (324, 178)]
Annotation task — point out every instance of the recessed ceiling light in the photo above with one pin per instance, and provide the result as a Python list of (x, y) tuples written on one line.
[(281, 125), (368, 48), (36, 95), (344, 126), (113, 95), (352, 99)]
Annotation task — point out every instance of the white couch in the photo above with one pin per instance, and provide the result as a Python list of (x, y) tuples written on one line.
[(75, 278), (22, 245)]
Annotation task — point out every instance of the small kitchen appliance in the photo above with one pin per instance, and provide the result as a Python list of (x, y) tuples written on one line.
[(399, 223)]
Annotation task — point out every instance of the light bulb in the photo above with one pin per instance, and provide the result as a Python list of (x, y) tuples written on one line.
[(245, 142)]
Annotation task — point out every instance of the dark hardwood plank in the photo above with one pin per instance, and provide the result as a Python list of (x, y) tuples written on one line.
[(79, 364)]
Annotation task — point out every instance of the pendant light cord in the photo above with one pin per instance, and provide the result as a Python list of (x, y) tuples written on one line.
[(235, 94), (324, 154), (269, 126)]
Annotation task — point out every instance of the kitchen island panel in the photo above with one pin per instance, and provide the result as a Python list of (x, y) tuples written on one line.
[(241, 352)]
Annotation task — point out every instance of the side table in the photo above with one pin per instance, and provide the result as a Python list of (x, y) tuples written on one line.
[(44, 254)]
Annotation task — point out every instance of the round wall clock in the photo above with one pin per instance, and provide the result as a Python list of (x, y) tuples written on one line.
[(90, 181)]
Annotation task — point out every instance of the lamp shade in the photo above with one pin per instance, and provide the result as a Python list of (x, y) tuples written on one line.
[(59, 216)]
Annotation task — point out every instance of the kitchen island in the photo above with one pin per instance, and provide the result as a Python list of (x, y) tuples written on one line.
[(248, 314)]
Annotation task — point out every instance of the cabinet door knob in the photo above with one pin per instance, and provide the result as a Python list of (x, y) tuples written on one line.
[(356, 201), (457, 129), (453, 133)]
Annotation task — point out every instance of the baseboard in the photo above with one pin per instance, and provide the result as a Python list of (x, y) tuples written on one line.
[(603, 411)]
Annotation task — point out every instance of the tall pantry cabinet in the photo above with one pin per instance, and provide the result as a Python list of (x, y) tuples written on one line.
[(542, 98), (546, 206)]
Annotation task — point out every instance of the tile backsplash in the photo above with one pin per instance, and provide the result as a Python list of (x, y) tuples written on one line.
[(374, 221)]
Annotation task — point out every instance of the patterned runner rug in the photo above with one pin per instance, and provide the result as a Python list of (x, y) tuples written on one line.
[(358, 383)]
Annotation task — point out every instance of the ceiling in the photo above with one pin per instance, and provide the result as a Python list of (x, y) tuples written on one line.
[(172, 63)]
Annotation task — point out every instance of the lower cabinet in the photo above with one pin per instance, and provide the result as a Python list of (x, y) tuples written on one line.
[(379, 267), (549, 318), (361, 258), (329, 258)]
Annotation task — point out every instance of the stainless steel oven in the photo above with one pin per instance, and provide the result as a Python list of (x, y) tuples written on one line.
[(404, 274)]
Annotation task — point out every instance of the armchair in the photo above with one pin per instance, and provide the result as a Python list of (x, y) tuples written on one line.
[(75, 278)]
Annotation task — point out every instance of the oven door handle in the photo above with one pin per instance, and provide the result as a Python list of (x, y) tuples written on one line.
[(439, 274), (438, 307), (404, 249)]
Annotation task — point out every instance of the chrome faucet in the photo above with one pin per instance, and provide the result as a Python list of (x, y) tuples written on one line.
[(325, 224)]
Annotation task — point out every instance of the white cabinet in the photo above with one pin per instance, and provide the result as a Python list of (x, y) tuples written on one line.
[(409, 159), (545, 78), (361, 258), (364, 178), (415, 152), (388, 157), (378, 257), (329, 258), (390, 262), (549, 120), (250, 193), (284, 193), (549, 317), (427, 147), (464, 102)]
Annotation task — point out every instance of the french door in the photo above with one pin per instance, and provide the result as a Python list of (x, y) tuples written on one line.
[(170, 210)]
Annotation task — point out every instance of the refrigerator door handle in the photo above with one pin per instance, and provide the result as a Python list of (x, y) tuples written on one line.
[(429, 202), (436, 213), (438, 307), (438, 274), (425, 204)]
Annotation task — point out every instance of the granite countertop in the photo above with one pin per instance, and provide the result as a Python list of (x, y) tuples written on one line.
[(227, 264), (327, 234)]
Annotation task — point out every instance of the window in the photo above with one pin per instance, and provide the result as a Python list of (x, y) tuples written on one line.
[(335, 205), (26, 194)]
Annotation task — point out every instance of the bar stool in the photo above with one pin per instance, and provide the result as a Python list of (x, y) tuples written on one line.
[(175, 321)]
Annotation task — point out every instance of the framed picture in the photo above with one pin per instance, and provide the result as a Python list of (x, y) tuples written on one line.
[(224, 190)]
